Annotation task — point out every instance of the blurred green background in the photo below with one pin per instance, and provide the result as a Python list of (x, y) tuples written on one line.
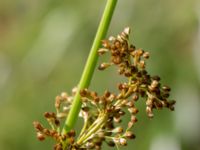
[(44, 46)]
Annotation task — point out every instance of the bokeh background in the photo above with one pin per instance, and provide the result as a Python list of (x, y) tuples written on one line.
[(44, 46)]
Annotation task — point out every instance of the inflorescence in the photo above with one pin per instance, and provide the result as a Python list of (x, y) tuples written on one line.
[(103, 114)]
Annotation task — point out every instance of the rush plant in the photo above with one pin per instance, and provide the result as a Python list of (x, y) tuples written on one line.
[(102, 114)]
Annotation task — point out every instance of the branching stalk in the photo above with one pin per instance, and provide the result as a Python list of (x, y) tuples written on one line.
[(90, 64)]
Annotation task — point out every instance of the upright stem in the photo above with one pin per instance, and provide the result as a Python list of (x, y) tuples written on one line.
[(90, 64)]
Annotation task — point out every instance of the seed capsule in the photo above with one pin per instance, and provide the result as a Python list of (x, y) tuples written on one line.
[(154, 84), (64, 95), (40, 136), (111, 143), (133, 119), (156, 78), (149, 112), (117, 130), (127, 30), (123, 141), (102, 51), (166, 88), (106, 44), (103, 66), (38, 126), (135, 97), (133, 110), (129, 135), (146, 55)]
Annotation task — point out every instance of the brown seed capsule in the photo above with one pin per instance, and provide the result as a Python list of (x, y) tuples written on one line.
[(140, 52), (40, 136), (158, 104), (102, 51), (53, 133), (154, 84), (120, 86), (133, 110), (117, 130), (121, 70), (57, 102), (133, 119), (71, 140), (129, 135), (93, 94), (97, 147), (130, 104), (121, 112), (64, 95), (135, 97), (165, 95), (146, 55), (166, 88), (134, 69), (57, 122), (128, 73), (58, 147), (117, 119), (127, 30), (107, 94), (172, 102), (96, 99), (64, 137), (116, 60), (172, 108), (47, 115), (132, 48), (149, 112), (84, 92), (130, 124), (123, 141), (71, 133), (149, 102), (103, 66), (46, 132), (142, 64), (38, 126), (156, 78), (117, 44), (111, 143), (85, 109), (111, 38), (106, 44)]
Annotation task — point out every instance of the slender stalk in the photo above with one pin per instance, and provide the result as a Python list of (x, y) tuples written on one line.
[(90, 64)]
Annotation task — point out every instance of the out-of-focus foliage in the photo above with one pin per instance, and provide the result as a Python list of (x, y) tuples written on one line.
[(43, 48)]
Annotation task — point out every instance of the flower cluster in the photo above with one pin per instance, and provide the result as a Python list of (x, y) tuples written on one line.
[(103, 114), (131, 64), (62, 105)]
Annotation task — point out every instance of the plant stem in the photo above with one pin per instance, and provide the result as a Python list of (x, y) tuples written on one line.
[(90, 64)]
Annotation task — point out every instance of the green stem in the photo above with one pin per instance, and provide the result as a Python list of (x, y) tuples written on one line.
[(90, 64)]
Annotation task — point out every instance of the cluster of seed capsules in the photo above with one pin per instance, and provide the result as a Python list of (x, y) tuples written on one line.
[(108, 110), (62, 105), (103, 114), (131, 63)]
